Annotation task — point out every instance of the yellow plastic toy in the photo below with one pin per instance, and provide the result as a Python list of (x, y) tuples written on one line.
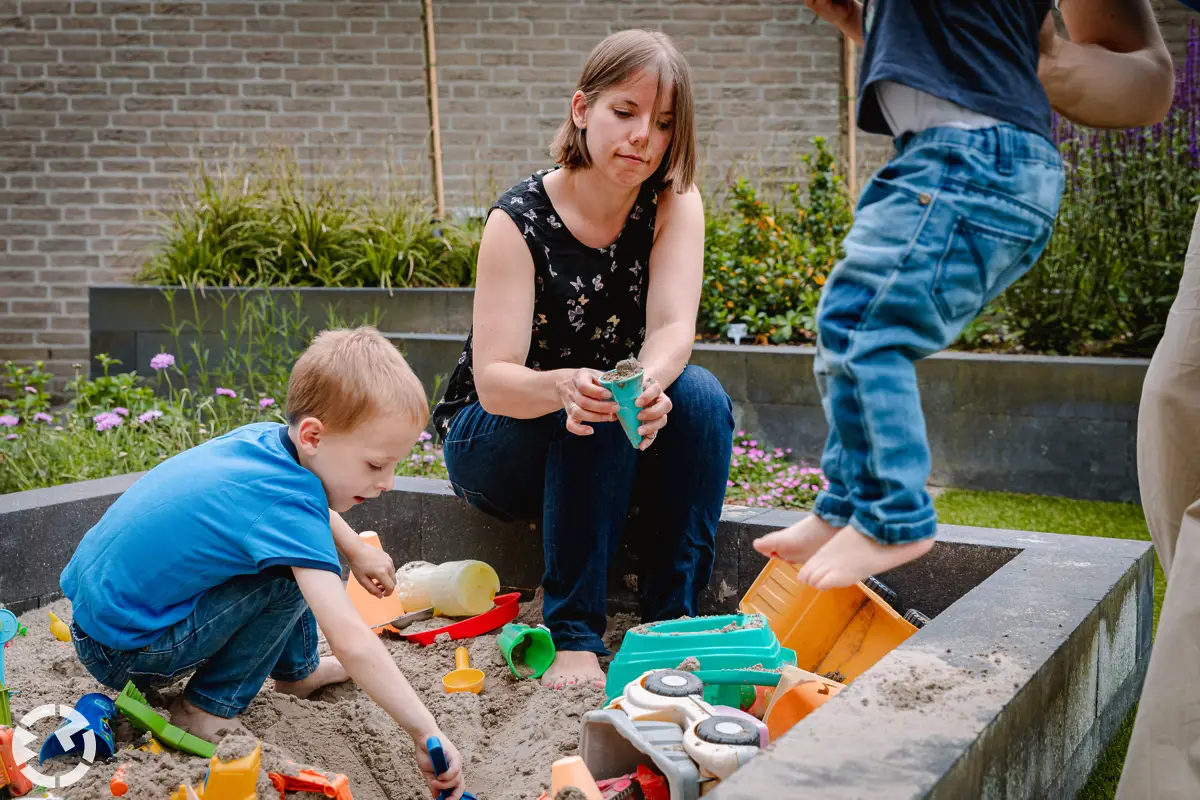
[(59, 628), (463, 678), (838, 633), (236, 779)]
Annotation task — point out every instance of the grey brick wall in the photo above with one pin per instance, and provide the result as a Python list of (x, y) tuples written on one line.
[(104, 105)]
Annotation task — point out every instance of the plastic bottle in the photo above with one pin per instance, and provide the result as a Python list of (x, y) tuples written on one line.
[(454, 589)]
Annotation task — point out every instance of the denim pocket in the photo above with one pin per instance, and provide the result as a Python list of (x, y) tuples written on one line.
[(977, 259), (162, 667), (480, 501)]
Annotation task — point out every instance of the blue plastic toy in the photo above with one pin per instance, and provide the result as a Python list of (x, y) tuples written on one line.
[(100, 711), (9, 627), (438, 756)]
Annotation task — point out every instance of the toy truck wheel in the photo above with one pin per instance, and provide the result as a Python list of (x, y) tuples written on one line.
[(674, 683), (884, 591), (727, 730), (916, 618)]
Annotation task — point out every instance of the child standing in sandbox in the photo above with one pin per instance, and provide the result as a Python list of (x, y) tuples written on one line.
[(222, 560), (963, 209)]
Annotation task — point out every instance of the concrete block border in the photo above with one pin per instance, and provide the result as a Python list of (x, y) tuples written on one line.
[(1036, 652), (1037, 424)]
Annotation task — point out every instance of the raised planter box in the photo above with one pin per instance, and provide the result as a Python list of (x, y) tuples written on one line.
[(1038, 424), (1036, 653)]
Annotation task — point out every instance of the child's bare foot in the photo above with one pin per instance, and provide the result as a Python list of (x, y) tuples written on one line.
[(851, 556), (200, 723), (573, 668), (798, 543), (330, 670)]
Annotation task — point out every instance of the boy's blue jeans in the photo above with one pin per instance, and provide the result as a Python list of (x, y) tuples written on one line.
[(949, 223), (581, 487), (240, 632)]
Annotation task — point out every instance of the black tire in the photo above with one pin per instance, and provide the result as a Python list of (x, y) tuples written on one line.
[(728, 730), (916, 618), (674, 683), (884, 591)]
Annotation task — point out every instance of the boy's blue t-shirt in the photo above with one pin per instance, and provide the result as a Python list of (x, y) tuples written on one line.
[(979, 54), (235, 505)]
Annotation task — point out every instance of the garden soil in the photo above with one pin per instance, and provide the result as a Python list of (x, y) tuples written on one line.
[(509, 735)]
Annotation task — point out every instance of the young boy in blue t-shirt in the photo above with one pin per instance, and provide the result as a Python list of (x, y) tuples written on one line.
[(963, 209), (222, 560)]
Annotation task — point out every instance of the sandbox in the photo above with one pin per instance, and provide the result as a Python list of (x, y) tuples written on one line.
[(1036, 651)]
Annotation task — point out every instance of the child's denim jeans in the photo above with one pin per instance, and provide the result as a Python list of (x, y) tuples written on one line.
[(581, 488), (240, 632), (949, 223)]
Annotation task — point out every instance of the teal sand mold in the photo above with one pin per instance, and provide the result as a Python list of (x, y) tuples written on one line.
[(625, 383)]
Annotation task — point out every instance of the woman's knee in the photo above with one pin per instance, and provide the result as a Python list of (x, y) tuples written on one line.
[(697, 396)]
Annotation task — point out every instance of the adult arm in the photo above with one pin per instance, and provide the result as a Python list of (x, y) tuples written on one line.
[(846, 15), (675, 279), (1115, 72), (503, 316)]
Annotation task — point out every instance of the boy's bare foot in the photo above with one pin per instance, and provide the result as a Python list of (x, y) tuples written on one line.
[(200, 723), (573, 668), (798, 543), (851, 556), (330, 670)]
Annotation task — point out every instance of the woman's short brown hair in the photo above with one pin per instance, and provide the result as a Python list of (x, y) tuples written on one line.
[(611, 63)]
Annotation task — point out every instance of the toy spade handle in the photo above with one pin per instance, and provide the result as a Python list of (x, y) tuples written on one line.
[(438, 756)]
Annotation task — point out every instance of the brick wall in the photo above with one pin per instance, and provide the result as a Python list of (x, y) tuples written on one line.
[(104, 105)]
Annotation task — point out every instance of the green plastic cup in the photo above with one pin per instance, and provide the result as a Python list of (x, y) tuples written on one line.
[(528, 651), (625, 392)]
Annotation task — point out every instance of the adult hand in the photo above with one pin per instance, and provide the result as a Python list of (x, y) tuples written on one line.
[(585, 400), (654, 404), (1049, 45)]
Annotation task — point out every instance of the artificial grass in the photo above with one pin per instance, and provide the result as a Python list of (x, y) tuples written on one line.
[(1077, 517)]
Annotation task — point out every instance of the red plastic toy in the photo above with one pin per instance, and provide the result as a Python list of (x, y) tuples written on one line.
[(504, 612), (10, 771), (311, 781)]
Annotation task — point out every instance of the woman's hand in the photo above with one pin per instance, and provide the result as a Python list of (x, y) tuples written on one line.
[(585, 400), (654, 404)]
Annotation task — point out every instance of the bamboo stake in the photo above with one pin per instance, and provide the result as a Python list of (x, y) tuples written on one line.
[(431, 95), (850, 62)]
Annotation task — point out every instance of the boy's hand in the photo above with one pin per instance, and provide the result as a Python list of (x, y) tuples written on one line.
[(374, 570), (452, 778)]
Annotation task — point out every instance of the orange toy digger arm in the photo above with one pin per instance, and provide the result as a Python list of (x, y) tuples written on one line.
[(312, 781), (10, 771)]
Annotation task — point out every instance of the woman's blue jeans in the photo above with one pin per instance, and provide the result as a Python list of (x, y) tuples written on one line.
[(582, 487)]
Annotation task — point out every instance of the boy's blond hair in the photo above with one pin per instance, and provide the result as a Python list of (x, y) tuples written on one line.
[(346, 376)]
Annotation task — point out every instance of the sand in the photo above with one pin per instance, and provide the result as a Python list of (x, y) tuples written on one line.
[(509, 735), (624, 369)]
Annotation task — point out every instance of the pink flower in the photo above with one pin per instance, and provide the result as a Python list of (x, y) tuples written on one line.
[(728, 484), (9, 421), (124, 412), (12, 436), (266, 402), (162, 361), (106, 420), (429, 459), (737, 451), (152, 414), (221, 390), (31, 390), (741, 433), (42, 416), (425, 436)]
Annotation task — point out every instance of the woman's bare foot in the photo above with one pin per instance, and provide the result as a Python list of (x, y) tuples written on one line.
[(200, 723), (851, 556), (573, 668), (798, 543), (330, 670)]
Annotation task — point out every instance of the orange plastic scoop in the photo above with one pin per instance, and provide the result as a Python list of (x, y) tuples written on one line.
[(463, 678)]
